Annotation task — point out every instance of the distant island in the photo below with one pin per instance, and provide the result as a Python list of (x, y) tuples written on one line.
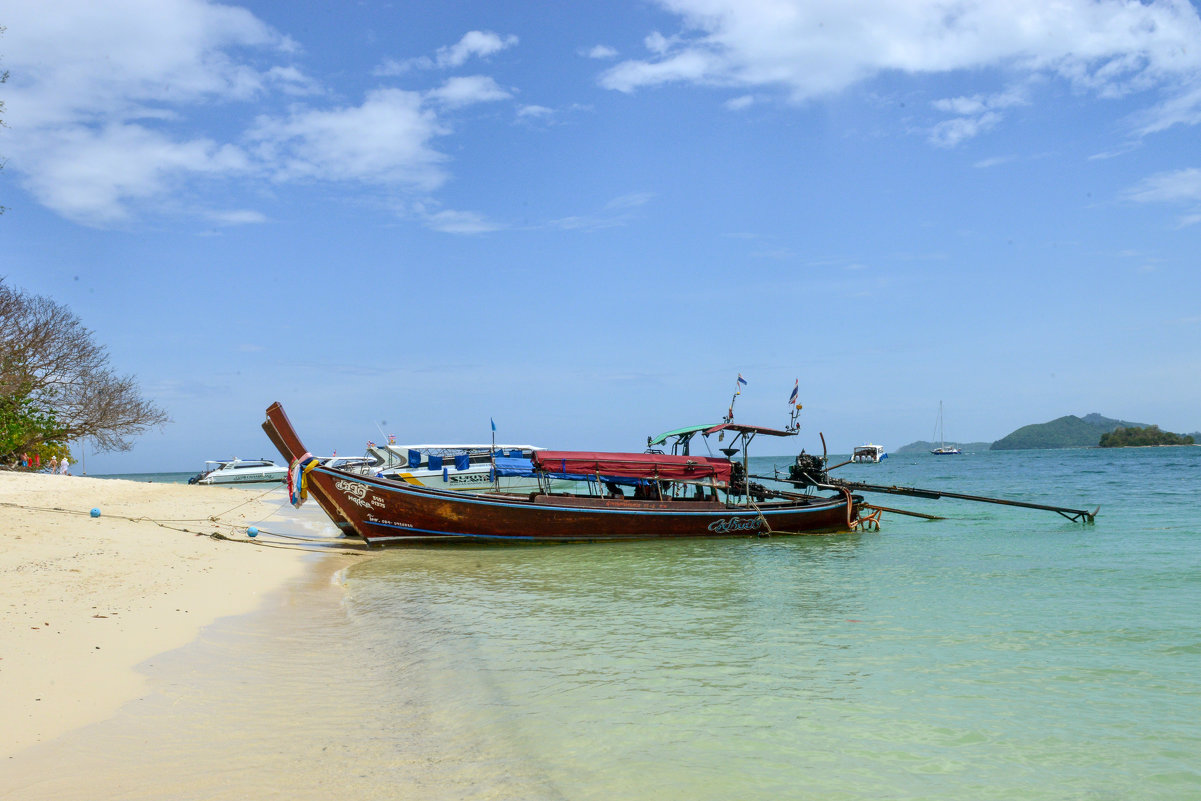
[(1069, 431), (1143, 437), (1063, 432)]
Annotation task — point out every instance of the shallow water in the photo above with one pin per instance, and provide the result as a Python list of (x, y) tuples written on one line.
[(999, 654)]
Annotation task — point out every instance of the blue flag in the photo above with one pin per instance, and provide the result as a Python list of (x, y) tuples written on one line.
[(493, 423)]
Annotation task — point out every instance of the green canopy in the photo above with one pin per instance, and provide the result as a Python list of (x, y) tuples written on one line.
[(659, 440)]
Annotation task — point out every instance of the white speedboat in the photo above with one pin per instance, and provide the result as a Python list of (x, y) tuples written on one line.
[(240, 471), (868, 453), (352, 463), (463, 467)]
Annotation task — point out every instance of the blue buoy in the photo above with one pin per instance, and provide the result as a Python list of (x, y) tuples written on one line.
[(95, 513), (252, 531)]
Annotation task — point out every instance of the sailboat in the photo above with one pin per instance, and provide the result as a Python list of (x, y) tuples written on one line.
[(943, 448)]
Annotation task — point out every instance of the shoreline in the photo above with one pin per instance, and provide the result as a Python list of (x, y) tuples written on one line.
[(86, 600)]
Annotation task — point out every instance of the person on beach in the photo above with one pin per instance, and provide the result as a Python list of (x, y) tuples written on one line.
[(62, 468), (53, 464)]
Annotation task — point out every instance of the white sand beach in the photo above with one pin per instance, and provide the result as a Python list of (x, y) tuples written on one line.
[(86, 599)]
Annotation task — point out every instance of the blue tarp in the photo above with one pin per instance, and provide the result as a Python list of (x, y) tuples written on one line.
[(414, 458), (462, 461), (510, 466)]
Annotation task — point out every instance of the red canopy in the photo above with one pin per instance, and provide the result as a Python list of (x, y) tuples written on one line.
[(741, 428), (634, 465)]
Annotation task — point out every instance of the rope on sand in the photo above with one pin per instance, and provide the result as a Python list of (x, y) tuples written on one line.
[(320, 545)]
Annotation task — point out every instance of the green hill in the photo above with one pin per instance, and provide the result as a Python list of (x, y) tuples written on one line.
[(1065, 432)]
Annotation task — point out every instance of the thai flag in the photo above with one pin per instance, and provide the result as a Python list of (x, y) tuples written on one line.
[(742, 380), (796, 387)]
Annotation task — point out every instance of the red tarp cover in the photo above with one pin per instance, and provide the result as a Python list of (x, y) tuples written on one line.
[(741, 428), (634, 465)]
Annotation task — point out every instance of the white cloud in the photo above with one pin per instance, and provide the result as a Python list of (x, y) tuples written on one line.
[(1181, 187), (536, 112), (949, 133), (459, 222), (98, 92), (132, 106), (473, 43), (811, 48), (739, 103), (630, 201), (384, 140), (128, 58), (977, 114), (466, 90), (615, 213), (695, 66), (91, 175), (1182, 109), (1168, 187), (601, 52), (994, 161), (478, 44), (237, 217)]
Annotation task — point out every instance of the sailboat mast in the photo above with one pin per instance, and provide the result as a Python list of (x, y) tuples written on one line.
[(942, 441)]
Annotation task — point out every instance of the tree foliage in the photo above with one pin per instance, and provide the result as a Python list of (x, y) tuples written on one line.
[(56, 385), (1141, 437)]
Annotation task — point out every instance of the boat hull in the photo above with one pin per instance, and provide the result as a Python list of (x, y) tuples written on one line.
[(389, 512), (257, 479)]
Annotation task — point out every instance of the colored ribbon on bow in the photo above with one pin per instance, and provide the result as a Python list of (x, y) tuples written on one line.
[(298, 478)]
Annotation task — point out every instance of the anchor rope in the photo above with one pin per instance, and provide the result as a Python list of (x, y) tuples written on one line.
[(214, 519)]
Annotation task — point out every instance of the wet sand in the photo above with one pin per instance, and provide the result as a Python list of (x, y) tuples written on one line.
[(84, 601)]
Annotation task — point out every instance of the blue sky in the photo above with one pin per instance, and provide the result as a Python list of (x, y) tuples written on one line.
[(586, 219)]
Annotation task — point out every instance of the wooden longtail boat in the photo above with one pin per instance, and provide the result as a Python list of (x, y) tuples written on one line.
[(381, 511)]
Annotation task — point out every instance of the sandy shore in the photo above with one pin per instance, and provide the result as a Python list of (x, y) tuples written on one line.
[(84, 600)]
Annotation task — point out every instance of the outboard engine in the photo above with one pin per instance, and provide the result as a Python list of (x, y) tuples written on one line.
[(740, 486), (809, 470)]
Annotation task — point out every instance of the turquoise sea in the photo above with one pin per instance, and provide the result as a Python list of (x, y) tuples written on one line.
[(1001, 653)]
